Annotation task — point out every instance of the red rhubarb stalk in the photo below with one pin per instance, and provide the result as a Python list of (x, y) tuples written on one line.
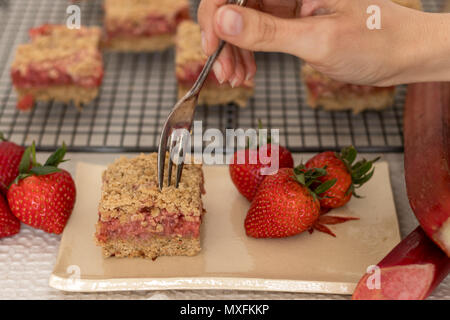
[(427, 158), (410, 271)]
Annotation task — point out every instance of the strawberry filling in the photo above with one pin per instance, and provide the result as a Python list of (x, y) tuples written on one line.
[(26, 102), (165, 224), (152, 25), (318, 88), (48, 29), (57, 72), (44, 30), (188, 74)]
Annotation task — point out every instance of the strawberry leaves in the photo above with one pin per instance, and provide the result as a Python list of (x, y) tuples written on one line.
[(260, 141), (42, 171), (57, 157), (320, 224), (29, 166), (361, 171), (310, 179), (325, 186)]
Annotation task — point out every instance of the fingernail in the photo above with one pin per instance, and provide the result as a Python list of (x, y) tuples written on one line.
[(248, 77), (218, 71), (230, 22), (204, 44), (233, 82)]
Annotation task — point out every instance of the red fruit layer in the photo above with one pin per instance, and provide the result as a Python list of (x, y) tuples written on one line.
[(57, 72), (188, 74), (318, 89), (152, 25), (172, 224), (26, 102), (43, 30)]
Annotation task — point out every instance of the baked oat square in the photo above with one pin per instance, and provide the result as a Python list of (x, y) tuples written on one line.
[(331, 95), (59, 64), (335, 95), (136, 219), (143, 25), (190, 60)]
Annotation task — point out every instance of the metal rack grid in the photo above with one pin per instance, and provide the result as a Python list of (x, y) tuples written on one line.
[(139, 90)]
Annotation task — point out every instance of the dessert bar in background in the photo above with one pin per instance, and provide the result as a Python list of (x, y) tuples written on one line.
[(58, 64), (335, 95), (190, 60), (142, 25), (136, 219)]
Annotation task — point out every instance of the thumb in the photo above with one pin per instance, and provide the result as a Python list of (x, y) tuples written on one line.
[(257, 31)]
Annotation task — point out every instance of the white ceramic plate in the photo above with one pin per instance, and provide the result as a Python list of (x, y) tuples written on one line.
[(230, 259)]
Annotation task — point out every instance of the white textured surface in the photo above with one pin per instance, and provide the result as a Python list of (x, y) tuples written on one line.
[(27, 259)]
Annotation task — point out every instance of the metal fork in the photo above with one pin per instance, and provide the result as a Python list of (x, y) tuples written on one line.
[(181, 117)]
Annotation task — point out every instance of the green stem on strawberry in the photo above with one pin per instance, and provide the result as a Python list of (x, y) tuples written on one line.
[(269, 137), (260, 141), (309, 179), (29, 166), (361, 171)]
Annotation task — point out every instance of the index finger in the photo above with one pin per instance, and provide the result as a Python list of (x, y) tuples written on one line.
[(205, 17)]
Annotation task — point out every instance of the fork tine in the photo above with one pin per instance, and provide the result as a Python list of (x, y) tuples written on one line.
[(181, 152), (171, 146), (179, 172), (162, 157), (183, 114)]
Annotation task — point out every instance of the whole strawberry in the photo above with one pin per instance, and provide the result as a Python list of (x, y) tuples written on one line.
[(10, 155), (43, 196), (9, 224), (247, 176), (349, 175), (284, 204)]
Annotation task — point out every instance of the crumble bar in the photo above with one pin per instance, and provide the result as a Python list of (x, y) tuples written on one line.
[(335, 95), (190, 60), (143, 25), (58, 64), (136, 219)]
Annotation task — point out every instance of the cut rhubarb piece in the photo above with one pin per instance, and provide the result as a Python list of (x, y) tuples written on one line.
[(190, 60), (427, 158), (136, 219), (143, 25), (411, 271), (58, 64)]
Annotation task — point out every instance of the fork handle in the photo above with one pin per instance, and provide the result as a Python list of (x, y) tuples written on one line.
[(206, 69), (210, 62)]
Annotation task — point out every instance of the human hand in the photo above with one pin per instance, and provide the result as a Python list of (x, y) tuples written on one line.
[(331, 35)]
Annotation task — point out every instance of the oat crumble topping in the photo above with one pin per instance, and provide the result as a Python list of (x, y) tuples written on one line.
[(137, 10), (130, 186), (77, 48), (188, 42)]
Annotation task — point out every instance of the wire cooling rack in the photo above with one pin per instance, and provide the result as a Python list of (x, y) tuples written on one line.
[(139, 90)]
